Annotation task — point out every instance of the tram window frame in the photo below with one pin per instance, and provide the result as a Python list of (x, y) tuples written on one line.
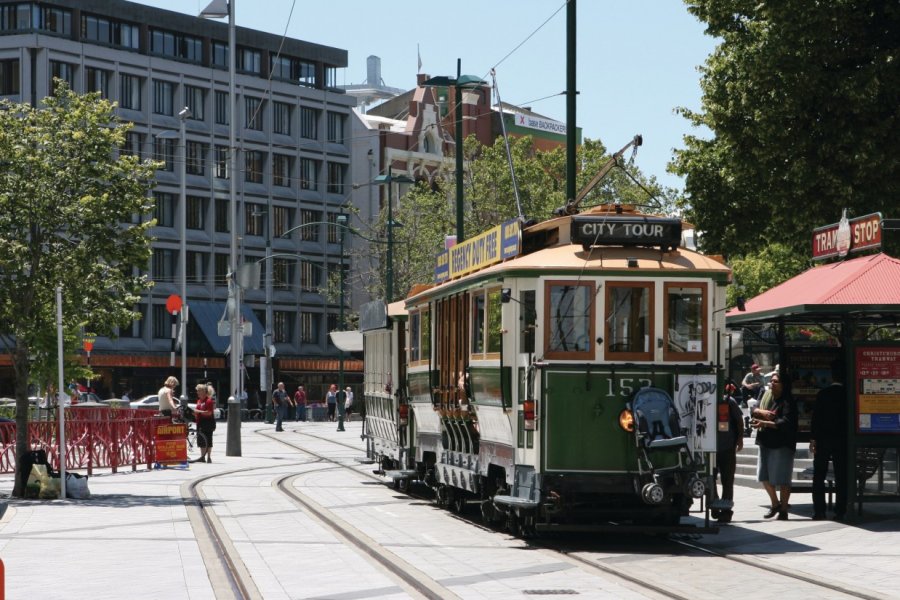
[(703, 324), (550, 325), (419, 347), (610, 312), (486, 319)]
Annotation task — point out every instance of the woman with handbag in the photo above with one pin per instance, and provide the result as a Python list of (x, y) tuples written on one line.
[(204, 413), (776, 423)]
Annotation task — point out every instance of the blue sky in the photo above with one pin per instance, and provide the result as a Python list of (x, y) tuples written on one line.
[(637, 60)]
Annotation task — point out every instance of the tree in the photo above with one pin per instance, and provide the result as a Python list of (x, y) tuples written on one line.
[(801, 99), (428, 212), (754, 274), (67, 209)]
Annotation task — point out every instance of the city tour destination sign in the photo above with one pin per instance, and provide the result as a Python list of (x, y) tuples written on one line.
[(599, 230), (492, 246), (848, 235)]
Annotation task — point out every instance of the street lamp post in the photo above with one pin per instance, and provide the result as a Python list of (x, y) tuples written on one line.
[(342, 394), (389, 269), (183, 115), (459, 83), (218, 9)]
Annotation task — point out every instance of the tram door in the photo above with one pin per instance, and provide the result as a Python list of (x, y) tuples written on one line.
[(528, 379)]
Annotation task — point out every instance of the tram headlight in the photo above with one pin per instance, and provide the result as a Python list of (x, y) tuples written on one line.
[(626, 420)]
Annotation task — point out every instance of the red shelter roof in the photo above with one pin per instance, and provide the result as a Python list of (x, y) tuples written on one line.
[(865, 286)]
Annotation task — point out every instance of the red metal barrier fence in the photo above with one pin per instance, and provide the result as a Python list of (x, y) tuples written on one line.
[(98, 437)]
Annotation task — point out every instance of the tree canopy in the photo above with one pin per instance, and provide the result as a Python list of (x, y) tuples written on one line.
[(427, 212), (801, 98), (72, 214)]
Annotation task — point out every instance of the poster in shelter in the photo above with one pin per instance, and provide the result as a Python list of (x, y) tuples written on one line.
[(812, 372), (878, 389)]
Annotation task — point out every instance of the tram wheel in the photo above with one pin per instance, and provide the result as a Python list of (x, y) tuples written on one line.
[(443, 495), (514, 524), (488, 513), (458, 504), (403, 485)]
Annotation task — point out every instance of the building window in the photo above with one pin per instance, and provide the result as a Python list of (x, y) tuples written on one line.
[(9, 77), (281, 118), (221, 268), (196, 267), (629, 321), (176, 45), (282, 271), (684, 313), (196, 212), (223, 216), (331, 77), (336, 178), (309, 328), (284, 326), (15, 17), (253, 166), (133, 143), (306, 74), (334, 232), (309, 276), (222, 106), (254, 219), (164, 209), (281, 170), (194, 100), (311, 233), (220, 54), (164, 152), (163, 265), (56, 20), (253, 111), (569, 319), (281, 221), (309, 123), (64, 71), (196, 158), (163, 97), (96, 80), (281, 68), (163, 322), (136, 328), (249, 61), (335, 128), (222, 162), (130, 91), (309, 170), (108, 31)]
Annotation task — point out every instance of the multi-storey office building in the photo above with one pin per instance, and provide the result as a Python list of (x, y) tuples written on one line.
[(293, 166)]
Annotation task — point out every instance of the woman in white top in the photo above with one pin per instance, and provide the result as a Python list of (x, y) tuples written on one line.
[(167, 399)]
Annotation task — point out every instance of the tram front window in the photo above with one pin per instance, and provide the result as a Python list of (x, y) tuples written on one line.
[(685, 308), (628, 325), (569, 318)]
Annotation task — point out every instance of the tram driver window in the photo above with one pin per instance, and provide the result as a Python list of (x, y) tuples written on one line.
[(629, 321), (569, 320), (685, 318)]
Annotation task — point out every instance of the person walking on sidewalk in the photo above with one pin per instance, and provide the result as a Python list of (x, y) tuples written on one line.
[(776, 423), (331, 401), (280, 400), (828, 441), (728, 444), (205, 415), (300, 403)]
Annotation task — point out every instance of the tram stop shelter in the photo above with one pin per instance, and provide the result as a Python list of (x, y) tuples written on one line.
[(856, 302)]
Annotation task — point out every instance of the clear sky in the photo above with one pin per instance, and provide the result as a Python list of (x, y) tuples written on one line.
[(637, 60)]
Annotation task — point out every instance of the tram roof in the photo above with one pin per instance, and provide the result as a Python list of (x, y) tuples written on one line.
[(573, 259)]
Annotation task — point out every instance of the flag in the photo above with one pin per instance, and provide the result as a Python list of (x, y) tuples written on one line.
[(419, 55)]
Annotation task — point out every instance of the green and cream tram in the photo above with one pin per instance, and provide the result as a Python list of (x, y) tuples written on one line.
[(562, 376)]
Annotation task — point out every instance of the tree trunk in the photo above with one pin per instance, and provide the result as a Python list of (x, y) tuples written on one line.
[(23, 444)]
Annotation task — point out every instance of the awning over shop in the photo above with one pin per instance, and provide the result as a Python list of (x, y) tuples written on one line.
[(869, 286), (207, 316), (348, 341)]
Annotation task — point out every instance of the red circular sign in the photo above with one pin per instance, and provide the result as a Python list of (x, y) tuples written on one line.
[(88, 345), (173, 303)]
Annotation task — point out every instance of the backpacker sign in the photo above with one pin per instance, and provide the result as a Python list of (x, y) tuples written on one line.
[(849, 235)]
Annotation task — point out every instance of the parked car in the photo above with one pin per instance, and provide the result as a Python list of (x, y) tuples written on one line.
[(88, 397), (149, 402)]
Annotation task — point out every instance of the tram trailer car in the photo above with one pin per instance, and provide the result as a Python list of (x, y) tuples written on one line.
[(570, 385)]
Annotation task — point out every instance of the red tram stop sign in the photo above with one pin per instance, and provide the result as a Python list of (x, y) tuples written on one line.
[(173, 303), (88, 346)]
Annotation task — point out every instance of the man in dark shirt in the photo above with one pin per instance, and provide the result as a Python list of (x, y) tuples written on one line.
[(828, 441), (729, 441)]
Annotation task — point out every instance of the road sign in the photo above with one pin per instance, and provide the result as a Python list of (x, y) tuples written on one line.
[(88, 346), (173, 303)]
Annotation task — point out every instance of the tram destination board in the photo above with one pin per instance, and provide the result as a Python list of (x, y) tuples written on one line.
[(597, 230)]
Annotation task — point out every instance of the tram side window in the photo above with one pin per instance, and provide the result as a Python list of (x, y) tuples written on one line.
[(486, 326), (419, 336), (685, 318), (425, 336), (478, 323), (629, 321), (527, 319), (569, 320), (414, 348)]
